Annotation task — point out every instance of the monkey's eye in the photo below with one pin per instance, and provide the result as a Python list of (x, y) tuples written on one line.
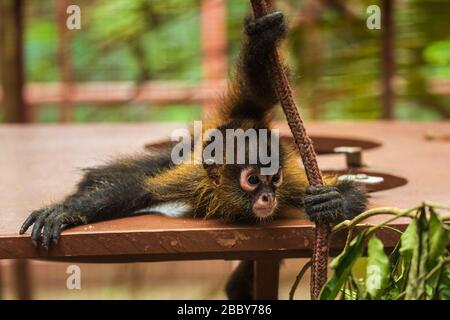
[(253, 179), (248, 180), (276, 178)]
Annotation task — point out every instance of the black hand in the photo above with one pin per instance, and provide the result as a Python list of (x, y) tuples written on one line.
[(48, 224), (334, 204), (265, 31), (323, 204)]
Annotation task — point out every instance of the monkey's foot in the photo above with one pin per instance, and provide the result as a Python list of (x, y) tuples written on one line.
[(271, 27), (240, 284), (48, 224)]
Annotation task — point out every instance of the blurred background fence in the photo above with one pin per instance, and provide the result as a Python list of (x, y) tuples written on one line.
[(168, 60)]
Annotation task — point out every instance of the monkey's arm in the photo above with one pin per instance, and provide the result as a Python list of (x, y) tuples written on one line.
[(251, 94), (105, 192)]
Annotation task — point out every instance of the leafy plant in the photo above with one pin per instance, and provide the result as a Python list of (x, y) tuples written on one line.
[(416, 269)]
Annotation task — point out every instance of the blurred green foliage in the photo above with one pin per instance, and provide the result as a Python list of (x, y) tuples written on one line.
[(333, 56)]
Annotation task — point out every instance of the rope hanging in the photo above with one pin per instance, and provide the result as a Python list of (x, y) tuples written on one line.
[(308, 155)]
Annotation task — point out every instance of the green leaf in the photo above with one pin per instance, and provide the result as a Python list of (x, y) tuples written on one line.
[(438, 52), (378, 268), (349, 294), (360, 286), (439, 239), (444, 285), (415, 288), (342, 266), (395, 262), (391, 293), (409, 241)]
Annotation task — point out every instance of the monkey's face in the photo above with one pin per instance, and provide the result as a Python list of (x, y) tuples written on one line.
[(261, 190)]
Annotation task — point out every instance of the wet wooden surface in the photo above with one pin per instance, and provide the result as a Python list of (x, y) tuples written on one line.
[(38, 165)]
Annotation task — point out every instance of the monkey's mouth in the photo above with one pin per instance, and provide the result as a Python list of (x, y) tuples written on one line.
[(263, 211)]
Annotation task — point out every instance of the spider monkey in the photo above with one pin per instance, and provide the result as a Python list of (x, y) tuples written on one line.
[(229, 191)]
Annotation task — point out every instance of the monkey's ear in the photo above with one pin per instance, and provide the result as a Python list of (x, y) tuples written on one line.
[(213, 171)]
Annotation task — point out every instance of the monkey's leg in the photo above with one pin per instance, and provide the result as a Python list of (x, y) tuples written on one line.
[(240, 284), (252, 94)]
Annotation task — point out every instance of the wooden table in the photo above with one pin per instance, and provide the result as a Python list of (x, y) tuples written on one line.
[(38, 165)]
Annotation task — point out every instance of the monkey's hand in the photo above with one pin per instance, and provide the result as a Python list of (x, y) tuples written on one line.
[(332, 204), (266, 31), (48, 223)]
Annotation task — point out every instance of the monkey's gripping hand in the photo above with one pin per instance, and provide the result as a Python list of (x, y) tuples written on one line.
[(332, 204), (265, 32)]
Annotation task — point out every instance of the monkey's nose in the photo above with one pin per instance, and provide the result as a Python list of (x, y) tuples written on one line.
[(264, 205), (266, 199)]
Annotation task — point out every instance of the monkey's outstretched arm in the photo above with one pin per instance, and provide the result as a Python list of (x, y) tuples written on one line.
[(105, 192), (252, 94)]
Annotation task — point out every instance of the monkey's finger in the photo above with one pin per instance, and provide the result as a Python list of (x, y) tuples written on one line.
[(56, 232), (322, 197), (57, 228), (318, 217), (47, 232), (314, 190), (325, 207), (29, 221), (327, 216), (328, 205), (269, 19), (331, 216), (310, 190), (37, 228)]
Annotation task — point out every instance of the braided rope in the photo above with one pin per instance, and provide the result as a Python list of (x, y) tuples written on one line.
[(308, 155)]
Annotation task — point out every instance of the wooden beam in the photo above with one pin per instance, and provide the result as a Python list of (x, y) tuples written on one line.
[(439, 86), (266, 279), (11, 60), (214, 43), (22, 279), (387, 60), (2, 283), (107, 93), (64, 62)]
